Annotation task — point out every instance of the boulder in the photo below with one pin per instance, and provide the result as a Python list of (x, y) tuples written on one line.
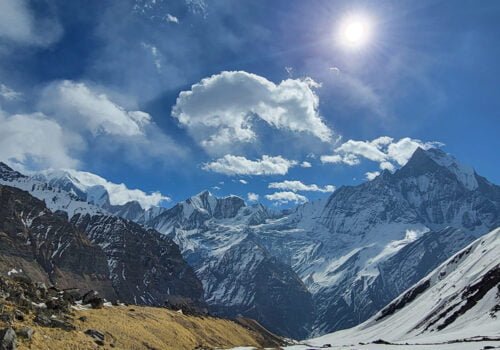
[(72, 295), (59, 305), (6, 317), (25, 333), (97, 303), (42, 320), (96, 335), (87, 297), (55, 323), (7, 339)]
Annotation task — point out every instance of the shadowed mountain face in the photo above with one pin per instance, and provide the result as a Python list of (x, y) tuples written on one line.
[(145, 267), (114, 256), (43, 245), (239, 275)]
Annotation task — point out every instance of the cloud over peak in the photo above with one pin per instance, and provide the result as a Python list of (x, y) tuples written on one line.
[(286, 197), (383, 150), (119, 194)]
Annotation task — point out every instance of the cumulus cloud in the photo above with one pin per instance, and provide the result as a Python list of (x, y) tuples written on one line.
[(76, 104), (36, 140), (118, 193), (220, 110), (19, 25), (286, 197), (305, 164), (238, 165), (252, 197), (298, 186), (371, 175), (383, 150)]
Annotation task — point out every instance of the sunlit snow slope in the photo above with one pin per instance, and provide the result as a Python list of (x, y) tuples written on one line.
[(458, 300)]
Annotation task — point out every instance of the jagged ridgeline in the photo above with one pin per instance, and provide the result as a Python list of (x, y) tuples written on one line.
[(323, 266)]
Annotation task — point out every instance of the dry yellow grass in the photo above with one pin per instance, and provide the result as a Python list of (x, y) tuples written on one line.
[(134, 327)]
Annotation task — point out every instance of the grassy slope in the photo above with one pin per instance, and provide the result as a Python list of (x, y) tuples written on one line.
[(135, 327)]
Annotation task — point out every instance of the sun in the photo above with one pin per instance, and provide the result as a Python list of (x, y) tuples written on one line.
[(355, 31)]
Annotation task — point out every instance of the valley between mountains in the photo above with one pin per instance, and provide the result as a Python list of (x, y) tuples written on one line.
[(415, 250)]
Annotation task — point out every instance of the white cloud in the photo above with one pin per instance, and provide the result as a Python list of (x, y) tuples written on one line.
[(238, 165), (365, 149), (383, 150), (78, 105), (298, 186), (36, 140), (171, 18), (286, 197), (335, 70), (306, 164), (402, 150), (105, 125), (19, 25), (387, 166), (349, 159), (334, 159), (118, 193), (244, 182), (252, 197), (219, 111), (372, 175), (9, 94)]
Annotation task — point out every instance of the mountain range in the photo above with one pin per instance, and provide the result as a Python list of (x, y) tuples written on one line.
[(326, 265)]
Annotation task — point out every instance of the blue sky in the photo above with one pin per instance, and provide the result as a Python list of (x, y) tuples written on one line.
[(242, 96)]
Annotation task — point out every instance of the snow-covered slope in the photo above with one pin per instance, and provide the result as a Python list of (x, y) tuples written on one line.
[(60, 196), (458, 300)]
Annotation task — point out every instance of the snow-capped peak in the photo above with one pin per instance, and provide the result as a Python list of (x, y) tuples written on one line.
[(206, 203), (433, 159), (464, 173), (98, 190), (7, 173)]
